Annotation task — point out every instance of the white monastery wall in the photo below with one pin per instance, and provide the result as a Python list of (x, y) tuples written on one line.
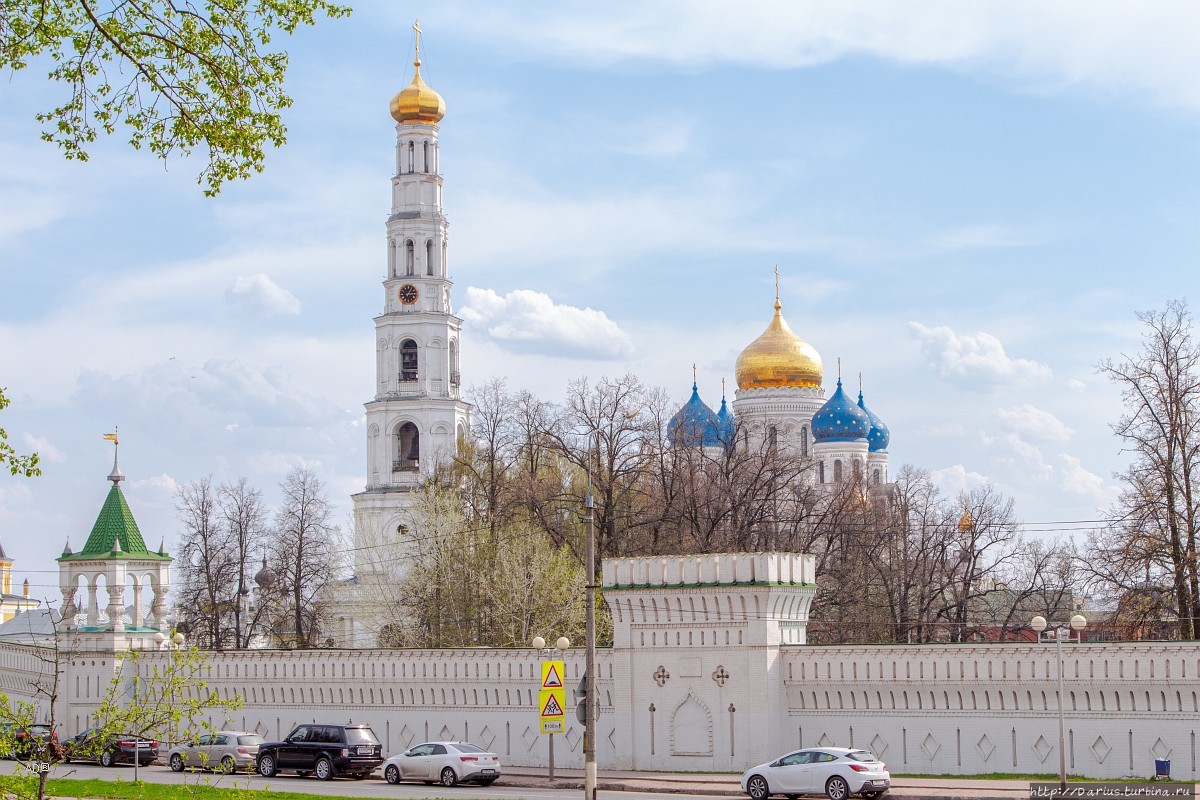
[(709, 672)]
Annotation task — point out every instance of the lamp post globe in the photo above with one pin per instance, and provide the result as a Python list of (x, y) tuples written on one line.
[(159, 638), (538, 643), (1038, 623), (563, 643), (1078, 622), (177, 639)]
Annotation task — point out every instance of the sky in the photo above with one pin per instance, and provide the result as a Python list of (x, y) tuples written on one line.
[(968, 204)]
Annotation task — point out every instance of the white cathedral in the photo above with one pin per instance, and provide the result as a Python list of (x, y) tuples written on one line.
[(418, 415)]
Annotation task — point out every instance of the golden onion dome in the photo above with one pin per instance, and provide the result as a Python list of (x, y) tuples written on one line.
[(779, 358), (417, 103)]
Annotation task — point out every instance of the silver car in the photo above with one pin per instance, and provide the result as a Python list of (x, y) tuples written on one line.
[(836, 772), (447, 763), (224, 751)]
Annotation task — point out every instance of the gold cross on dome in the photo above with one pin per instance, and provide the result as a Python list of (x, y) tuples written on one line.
[(417, 35)]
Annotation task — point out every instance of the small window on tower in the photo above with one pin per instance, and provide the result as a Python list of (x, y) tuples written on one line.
[(878, 477), (408, 360), (411, 156), (429, 256), (837, 471), (408, 448), (410, 255), (820, 472), (804, 441), (426, 159), (772, 437)]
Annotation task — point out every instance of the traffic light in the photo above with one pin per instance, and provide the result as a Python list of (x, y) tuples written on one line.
[(581, 706)]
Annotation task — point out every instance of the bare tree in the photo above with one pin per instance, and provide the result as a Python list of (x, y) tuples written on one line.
[(244, 518), (207, 562), (306, 549), (1155, 525)]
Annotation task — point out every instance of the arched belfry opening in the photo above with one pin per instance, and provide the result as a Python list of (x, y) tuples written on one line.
[(408, 360), (408, 448)]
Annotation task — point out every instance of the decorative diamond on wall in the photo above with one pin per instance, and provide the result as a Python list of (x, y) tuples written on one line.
[(529, 737), (612, 738), (1100, 749), (486, 738), (985, 747), (572, 738), (1161, 749), (261, 728), (1042, 749), (931, 746), (825, 741), (878, 745), (407, 737), (447, 734)]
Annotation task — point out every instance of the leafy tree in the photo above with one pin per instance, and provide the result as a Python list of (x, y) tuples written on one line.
[(30, 778), (178, 76), (10, 459), (162, 700)]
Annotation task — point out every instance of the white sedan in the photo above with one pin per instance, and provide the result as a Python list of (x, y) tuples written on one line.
[(447, 763), (836, 772)]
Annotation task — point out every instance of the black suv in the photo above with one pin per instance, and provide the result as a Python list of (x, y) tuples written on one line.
[(323, 750)]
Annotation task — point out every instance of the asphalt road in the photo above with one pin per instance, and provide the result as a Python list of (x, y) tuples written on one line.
[(340, 787)]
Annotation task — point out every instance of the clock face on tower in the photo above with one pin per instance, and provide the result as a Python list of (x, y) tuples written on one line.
[(408, 294)]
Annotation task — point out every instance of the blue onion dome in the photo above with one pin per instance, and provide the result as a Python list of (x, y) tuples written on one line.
[(879, 436), (839, 420), (695, 424), (725, 417)]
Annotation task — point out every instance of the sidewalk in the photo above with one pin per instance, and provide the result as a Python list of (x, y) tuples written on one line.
[(726, 785)]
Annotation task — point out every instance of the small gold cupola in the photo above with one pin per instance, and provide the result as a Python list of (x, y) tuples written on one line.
[(417, 103)]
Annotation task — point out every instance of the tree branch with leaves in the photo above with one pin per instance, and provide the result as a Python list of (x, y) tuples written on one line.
[(179, 76)]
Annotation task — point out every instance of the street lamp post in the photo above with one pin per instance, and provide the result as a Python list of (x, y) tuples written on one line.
[(1039, 625), (590, 700), (540, 644)]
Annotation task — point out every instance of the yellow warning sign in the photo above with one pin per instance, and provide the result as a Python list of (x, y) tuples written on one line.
[(551, 705), (552, 672)]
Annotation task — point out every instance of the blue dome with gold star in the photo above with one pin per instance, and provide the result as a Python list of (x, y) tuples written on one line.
[(695, 424), (839, 420), (878, 437), (725, 417)]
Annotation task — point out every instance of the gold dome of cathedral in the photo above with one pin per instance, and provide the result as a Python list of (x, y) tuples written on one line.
[(779, 358)]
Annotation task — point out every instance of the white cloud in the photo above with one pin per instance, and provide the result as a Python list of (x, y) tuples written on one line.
[(1076, 385), (530, 322), (161, 483), (261, 295), (45, 449), (956, 479), (969, 359), (1143, 49), (1074, 478), (1035, 423)]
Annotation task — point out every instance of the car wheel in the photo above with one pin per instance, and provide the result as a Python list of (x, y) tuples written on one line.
[(266, 766), (449, 777), (391, 774), (228, 765), (836, 788), (106, 759), (324, 770), (176, 762), (757, 787)]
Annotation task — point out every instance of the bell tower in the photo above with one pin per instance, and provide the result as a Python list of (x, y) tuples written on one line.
[(417, 414)]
